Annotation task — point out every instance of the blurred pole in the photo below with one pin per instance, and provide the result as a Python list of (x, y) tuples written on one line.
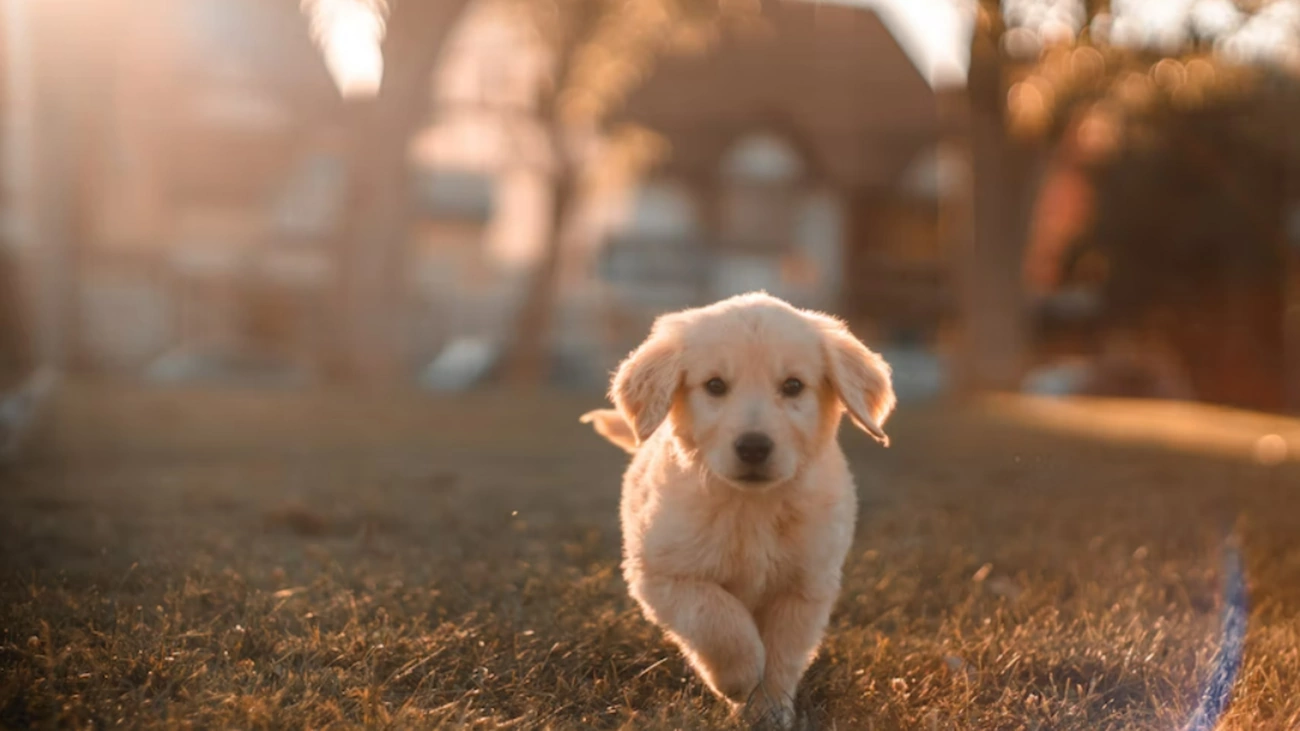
[(1291, 235), (16, 135), (1292, 311), (57, 63), (50, 178)]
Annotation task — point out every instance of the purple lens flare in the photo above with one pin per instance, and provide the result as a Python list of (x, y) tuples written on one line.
[(1227, 662)]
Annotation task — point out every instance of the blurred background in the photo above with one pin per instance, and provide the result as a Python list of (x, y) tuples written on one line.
[(1034, 195), (329, 283)]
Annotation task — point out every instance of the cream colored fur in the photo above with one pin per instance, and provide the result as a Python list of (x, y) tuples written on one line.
[(740, 565), (610, 424)]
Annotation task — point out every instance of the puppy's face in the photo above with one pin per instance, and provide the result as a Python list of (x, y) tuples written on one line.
[(752, 388), (754, 402)]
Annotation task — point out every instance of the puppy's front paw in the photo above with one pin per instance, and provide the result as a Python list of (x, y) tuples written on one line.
[(765, 713), (737, 678)]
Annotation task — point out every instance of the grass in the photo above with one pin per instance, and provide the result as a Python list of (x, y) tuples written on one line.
[(280, 560)]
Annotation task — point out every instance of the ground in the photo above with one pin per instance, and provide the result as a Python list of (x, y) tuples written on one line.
[(281, 560)]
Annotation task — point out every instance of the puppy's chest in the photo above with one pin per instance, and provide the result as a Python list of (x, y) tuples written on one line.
[(750, 550)]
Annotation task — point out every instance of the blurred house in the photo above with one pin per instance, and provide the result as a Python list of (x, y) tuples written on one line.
[(804, 160), (182, 180), (215, 189)]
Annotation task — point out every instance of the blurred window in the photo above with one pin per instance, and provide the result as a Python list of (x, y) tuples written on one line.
[(763, 177)]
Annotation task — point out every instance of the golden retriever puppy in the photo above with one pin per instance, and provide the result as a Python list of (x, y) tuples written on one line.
[(738, 508)]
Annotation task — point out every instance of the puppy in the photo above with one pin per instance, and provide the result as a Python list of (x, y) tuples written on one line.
[(738, 507)]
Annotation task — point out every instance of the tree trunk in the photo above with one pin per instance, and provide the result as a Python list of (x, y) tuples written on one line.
[(527, 361), (1291, 259), (529, 357), (1291, 275), (16, 346), (993, 339), (371, 257), (1291, 313)]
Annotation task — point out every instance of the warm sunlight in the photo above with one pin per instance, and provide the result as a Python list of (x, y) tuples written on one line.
[(349, 33), (530, 364), (936, 33)]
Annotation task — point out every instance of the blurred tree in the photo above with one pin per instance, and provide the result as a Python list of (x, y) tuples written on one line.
[(14, 340), (380, 127), (1190, 230), (993, 329), (1153, 110), (599, 50)]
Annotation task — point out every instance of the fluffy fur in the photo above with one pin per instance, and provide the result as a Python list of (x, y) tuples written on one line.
[(609, 424), (737, 559)]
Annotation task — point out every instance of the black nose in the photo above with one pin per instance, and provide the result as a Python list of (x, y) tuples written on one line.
[(753, 447)]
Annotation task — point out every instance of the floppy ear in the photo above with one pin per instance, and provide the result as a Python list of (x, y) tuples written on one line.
[(647, 380), (861, 379)]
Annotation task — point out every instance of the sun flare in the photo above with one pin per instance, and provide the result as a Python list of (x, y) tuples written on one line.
[(350, 33)]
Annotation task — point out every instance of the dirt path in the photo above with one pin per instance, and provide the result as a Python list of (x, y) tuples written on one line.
[(260, 559)]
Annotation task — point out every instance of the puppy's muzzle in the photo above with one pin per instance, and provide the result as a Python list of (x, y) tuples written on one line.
[(754, 448)]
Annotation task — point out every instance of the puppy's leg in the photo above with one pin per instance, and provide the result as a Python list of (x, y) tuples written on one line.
[(712, 627), (791, 626)]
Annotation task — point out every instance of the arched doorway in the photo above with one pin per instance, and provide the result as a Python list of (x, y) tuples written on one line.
[(778, 227)]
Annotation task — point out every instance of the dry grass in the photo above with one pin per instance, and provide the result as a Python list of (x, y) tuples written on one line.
[(322, 560)]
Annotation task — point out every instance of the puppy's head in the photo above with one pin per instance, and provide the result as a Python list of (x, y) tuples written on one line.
[(751, 387)]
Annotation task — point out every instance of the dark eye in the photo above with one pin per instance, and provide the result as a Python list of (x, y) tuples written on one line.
[(716, 386), (792, 387)]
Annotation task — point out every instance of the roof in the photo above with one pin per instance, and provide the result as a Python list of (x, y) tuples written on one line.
[(829, 78)]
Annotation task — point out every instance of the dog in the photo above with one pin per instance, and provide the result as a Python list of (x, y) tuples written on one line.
[(738, 507)]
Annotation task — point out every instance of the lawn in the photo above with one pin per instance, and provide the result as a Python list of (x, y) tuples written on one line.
[(248, 559)]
